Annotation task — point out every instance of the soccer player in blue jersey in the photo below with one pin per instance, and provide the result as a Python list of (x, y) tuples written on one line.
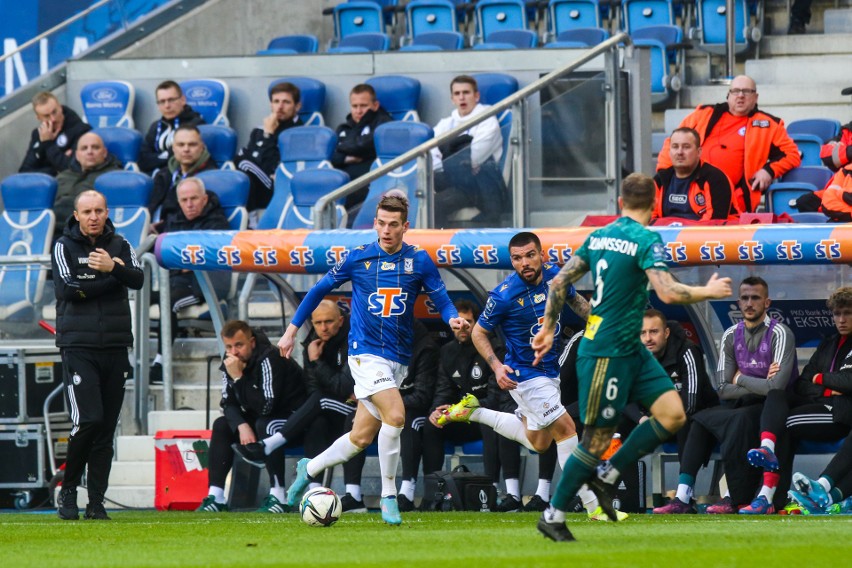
[(613, 367), (386, 277), (517, 305)]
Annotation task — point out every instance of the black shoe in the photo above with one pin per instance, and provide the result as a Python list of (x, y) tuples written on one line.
[(350, 505), (253, 453), (155, 374), (509, 505), (536, 504), (405, 504), (96, 512), (797, 27), (605, 492), (554, 531), (66, 505)]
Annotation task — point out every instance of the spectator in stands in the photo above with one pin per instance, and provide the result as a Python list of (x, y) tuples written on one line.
[(91, 160), (756, 364), (837, 153), (259, 158), (684, 363), (830, 493), (190, 157), (260, 389), (463, 370), (752, 147), (157, 147), (800, 16), (466, 168), (53, 142), (198, 210), (355, 150), (691, 188), (835, 200)]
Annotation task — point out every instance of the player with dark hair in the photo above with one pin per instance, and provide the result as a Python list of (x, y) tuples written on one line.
[(613, 366), (386, 277)]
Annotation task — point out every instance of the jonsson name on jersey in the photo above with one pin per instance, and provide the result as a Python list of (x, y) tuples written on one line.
[(617, 245)]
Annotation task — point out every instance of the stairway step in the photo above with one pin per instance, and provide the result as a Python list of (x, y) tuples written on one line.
[(134, 448), (838, 21), (130, 473), (135, 496), (179, 420), (787, 70), (805, 45)]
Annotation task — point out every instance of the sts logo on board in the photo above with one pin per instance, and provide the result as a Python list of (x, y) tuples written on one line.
[(448, 255), (192, 254)]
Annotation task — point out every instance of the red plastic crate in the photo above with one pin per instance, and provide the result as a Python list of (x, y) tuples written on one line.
[(181, 469)]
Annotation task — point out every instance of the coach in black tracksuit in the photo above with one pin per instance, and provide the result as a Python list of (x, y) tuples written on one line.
[(92, 269)]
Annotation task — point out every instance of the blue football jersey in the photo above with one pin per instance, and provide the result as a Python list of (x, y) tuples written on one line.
[(384, 289), (519, 308)]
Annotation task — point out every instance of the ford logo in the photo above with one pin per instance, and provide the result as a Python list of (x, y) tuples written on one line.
[(104, 95), (199, 93)]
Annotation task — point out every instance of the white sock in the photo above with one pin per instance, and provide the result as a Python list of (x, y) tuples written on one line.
[(389, 457), (218, 494), (564, 449), (278, 493), (768, 492), (354, 490), (543, 489), (767, 443), (158, 360), (554, 515), (684, 492), (505, 424), (338, 452), (273, 442), (407, 488), (513, 488)]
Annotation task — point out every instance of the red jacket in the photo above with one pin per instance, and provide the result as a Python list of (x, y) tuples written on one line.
[(709, 197), (767, 146)]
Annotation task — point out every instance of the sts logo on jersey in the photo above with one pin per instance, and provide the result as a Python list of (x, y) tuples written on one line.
[(448, 255), (387, 302), (750, 250), (789, 250), (712, 251), (192, 254), (335, 255), (228, 255), (559, 253), (301, 256), (675, 252), (537, 327), (265, 256), (485, 254), (828, 248)]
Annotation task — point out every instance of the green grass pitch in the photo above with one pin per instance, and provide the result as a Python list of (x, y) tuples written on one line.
[(437, 540)]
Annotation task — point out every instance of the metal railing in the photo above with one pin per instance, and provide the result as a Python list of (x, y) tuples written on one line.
[(323, 211)]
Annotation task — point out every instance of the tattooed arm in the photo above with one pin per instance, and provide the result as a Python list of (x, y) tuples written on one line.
[(671, 291), (570, 273), (580, 306)]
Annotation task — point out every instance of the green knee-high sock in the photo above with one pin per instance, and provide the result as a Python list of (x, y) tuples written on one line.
[(642, 441), (577, 470)]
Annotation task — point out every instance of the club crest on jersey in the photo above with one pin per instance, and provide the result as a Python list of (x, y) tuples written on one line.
[(476, 372), (559, 253), (387, 302), (408, 265), (76, 379), (675, 252), (335, 255), (750, 250), (448, 254), (301, 256), (387, 266), (485, 254), (228, 255), (539, 298), (265, 256), (192, 254), (828, 248), (789, 250), (712, 251)]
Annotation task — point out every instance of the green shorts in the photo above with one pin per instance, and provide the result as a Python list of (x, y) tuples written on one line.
[(608, 384)]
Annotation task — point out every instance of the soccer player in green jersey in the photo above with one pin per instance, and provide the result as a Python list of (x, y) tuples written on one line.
[(613, 366)]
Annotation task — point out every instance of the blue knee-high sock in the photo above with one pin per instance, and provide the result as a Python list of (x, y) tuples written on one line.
[(578, 469)]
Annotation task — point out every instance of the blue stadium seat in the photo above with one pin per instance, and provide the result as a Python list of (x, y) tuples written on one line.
[(809, 148), (494, 45), (436, 41), (429, 16), (291, 44), (399, 95), (221, 142), (357, 18), (494, 15), (302, 148), (781, 197), (362, 43), (108, 103), (823, 128), (493, 88), (232, 188), (817, 175), (209, 98), (712, 31), (809, 217), (26, 228), (389, 9), (564, 15), (667, 58), (580, 37), (312, 94), (393, 139), (638, 14), (127, 198), (517, 39), (123, 143), (306, 188)]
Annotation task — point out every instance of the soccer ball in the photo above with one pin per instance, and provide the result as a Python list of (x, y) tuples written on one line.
[(320, 507)]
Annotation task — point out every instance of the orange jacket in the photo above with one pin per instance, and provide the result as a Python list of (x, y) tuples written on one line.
[(838, 152), (837, 196), (767, 146), (709, 195)]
